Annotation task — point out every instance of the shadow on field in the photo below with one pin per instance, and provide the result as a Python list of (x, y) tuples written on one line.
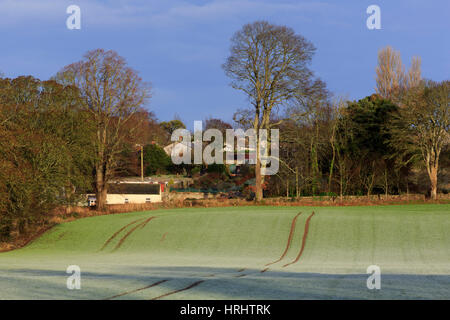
[(138, 282)]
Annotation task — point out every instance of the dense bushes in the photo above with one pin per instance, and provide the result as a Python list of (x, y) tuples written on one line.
[(156, 161), (45, 151)]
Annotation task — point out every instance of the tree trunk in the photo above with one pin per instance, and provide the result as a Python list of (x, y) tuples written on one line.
[(386, 186), (287, 188), (101, 189), (258, 180), (330, 177), (407, 189), (370, 185), (433, 181), (101, 199), (432, 164), (314, 168), (341, 167)]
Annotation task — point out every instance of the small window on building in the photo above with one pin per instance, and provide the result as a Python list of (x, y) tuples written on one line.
[(126, 200), (147, 200)]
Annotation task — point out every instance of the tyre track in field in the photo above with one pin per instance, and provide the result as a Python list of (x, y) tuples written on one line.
[(305, 235), (288, 244), (142, 224), (192, 285), (117, 232), (239, 275), (196, 283), (157, 283)]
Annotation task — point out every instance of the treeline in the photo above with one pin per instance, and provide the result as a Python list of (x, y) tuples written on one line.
[(395, 141), (66, 136), (70, 135), (329, 145), (46, 154), (74, 133), (365, 147)]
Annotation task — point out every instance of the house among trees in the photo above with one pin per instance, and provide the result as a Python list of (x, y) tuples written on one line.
[(182, 147)]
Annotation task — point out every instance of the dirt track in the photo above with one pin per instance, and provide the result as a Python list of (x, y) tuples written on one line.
[(291, 234), (137, 290), (119, 231), (305, 235), (179, 290), (121, 241)]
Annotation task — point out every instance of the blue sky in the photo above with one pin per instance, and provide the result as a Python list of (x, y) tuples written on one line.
[(179, 46)]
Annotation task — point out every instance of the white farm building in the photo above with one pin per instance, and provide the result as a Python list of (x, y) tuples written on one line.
[(130, 192)]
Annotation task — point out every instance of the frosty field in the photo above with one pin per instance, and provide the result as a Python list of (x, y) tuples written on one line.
[(239, 253)]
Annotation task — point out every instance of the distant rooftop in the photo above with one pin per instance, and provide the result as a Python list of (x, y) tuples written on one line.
[(133, 188)]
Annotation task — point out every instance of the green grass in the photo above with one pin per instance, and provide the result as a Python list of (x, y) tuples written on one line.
[(410, 243)]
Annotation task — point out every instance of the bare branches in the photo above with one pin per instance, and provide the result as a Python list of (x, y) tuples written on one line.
[(268, 63), (391, 78), (112, 92), (414, 75), (390, 75), (427, 119)]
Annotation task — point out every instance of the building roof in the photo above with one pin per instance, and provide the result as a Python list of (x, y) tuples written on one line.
[(133, 188)]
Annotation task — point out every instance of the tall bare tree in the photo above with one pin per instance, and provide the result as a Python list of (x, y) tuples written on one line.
[(391, 78), (427, 119), (268, 63), (414, 75), (390, 73), (112, 92), (420, 131)]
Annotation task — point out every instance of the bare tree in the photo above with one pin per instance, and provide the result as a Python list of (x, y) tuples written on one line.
[(336, 110), (268, 63), (390, 73), (391, 78), (429, 120), (311, 108), (421, 130), (215, 123), (414, 75), (112, 92)]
